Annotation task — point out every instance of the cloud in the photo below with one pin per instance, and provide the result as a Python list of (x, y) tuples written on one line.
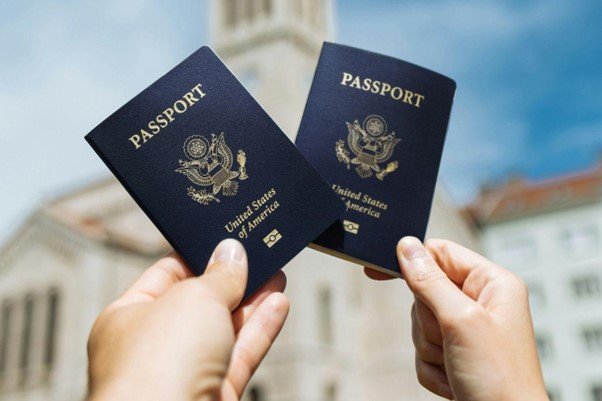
[(448, 35), (586, 136), (79, 63), (482, 46), (482, 143)]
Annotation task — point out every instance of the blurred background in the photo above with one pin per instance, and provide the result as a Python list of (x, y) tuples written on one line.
[(521, 178)]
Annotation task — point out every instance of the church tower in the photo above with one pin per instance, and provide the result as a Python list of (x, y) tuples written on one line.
[(272, 46)]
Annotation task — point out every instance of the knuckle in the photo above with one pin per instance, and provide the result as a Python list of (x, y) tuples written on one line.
[(430, 244), (437, 243), (432, 331), (195, 290), (428, 351), (521, 286), (428, 275), (168, 264), (223, 282), (517, 285), (471, 313), (441, 246), (415, 334), (423, 348), (464, 318), (279, 303), (231, 272), (170, 267), (423, 376), (247, 359)]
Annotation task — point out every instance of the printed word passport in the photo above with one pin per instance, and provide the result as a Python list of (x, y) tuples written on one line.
[(205, 162), (374, 127)]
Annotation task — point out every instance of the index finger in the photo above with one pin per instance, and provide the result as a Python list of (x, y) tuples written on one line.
[(471, 271), (457, 261), (428, 281), (156, 280)]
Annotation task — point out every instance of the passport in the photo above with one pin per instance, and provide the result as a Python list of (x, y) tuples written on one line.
[(205, 162), (374, 127)]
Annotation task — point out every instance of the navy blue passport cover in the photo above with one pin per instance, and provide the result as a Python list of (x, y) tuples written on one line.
[(374, 127), (205, 162)]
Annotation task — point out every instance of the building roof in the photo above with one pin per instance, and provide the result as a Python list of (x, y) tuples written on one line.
[(104, 212), (518, 197)]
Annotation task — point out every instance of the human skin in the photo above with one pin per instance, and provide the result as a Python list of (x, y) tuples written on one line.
[(173, 336), (471, 324)]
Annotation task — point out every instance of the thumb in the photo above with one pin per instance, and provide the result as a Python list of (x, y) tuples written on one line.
[(428, 281), (226, 273)]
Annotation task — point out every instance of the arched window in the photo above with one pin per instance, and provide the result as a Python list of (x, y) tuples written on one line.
[(51, 328), (5, 322), (26, 335)]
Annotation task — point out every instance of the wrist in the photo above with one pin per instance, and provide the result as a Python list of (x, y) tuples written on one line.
[(534, 393), (125, 390)]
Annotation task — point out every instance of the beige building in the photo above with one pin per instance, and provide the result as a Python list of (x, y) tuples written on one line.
[(347, 337), (550, 233)]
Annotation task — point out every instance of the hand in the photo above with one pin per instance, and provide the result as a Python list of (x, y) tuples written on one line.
[(173, 336), (471, 325)]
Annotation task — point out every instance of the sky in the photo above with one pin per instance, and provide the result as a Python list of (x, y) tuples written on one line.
[(529, 96)]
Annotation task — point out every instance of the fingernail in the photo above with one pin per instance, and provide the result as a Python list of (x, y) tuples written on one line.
[(412, 248), (229, 250)]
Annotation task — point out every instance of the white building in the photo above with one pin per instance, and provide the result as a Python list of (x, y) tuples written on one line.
[(347, 337), (550, 233), (70, 259)]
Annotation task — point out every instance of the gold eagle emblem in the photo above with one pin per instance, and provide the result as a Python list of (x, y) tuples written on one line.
[(210, 164), (371, 145)]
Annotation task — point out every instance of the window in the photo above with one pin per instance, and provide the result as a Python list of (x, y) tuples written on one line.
[(256, 394), (230, 12), (6, 317), (17, 343), (24, 354), (587, 286), (544, 347), (520, 250), (330, 392), (266, 7), (298, 8), (597, 392), (51, 327), (248, 7), (537, 297), (317, 13), (325, 315), (553, 395), (580, 240), (592, 338)]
